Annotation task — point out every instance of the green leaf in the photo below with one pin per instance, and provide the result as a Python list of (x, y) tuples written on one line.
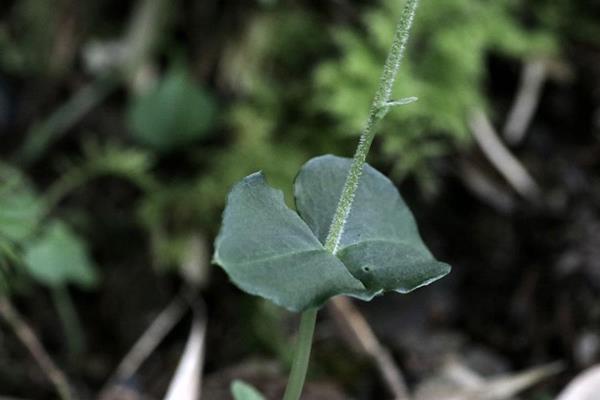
[(175, 113), (268, 250), (20, 208), (59, 257), (242, 391), (380, 244)]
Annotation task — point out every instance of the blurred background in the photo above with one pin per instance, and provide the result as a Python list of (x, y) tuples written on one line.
[(123, 124)]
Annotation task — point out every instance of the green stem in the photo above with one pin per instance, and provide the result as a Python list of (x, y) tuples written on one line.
[(70, 320), (379, 108), (302, 355)]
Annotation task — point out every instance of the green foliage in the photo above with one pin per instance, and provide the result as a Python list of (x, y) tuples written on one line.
[(116, 160), (20, 208), (48, 250), (175, 113), (110, 159), (271, 130), (445, 70), (289, 96), (58, 257), (242, 391), (21, 212), (270, 251)]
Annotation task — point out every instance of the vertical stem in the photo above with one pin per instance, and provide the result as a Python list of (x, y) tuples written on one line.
[(379, 107), (302, 355), (70, 320)]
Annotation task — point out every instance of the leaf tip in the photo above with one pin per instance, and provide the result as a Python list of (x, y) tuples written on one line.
[(439, 271)]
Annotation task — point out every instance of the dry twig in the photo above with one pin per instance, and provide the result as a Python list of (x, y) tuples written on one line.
[(148, 342), (27, 336), (502, 159), (526, 101), (485, 188), (458, 382), (347, 315)]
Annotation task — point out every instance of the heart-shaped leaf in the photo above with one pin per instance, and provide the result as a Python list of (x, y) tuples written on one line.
[(380, 243), (174, 114), (269, 251), (59, 257)]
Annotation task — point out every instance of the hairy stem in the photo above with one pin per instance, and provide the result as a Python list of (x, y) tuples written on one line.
[(379, 108)]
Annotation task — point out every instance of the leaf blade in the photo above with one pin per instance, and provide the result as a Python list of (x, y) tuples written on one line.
[(59, 257), (267, 250), (380, 244), (175, 113)]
